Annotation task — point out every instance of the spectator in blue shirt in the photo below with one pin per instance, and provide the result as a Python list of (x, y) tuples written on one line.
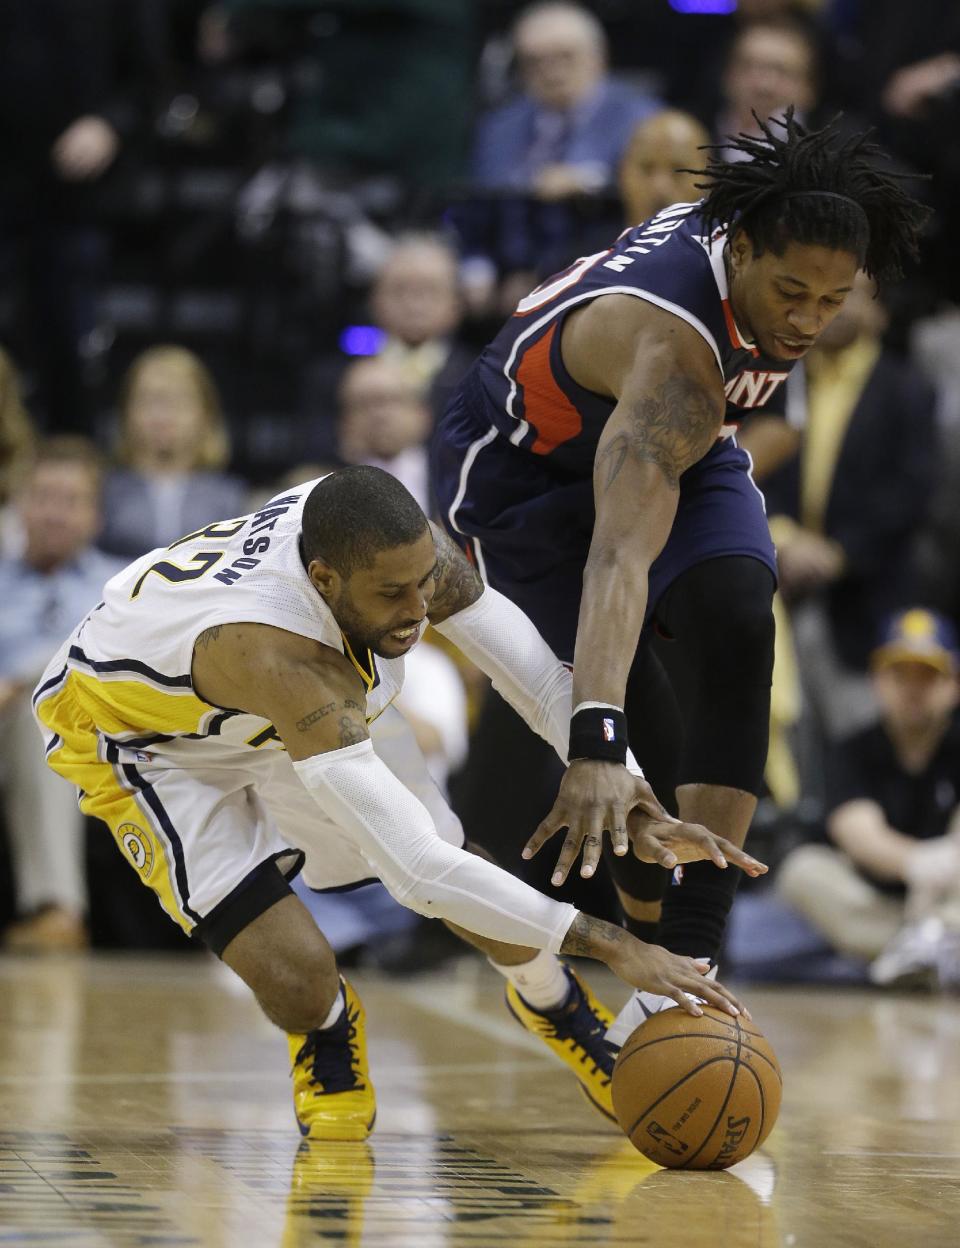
[(568, 128), (45, 591), (560, 138)]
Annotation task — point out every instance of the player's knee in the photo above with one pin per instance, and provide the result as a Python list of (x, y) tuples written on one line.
[(802, 873), (729, 604), (301, 988), (285, 960)]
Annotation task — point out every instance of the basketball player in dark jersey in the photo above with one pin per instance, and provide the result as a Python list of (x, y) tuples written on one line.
[(589, 466)]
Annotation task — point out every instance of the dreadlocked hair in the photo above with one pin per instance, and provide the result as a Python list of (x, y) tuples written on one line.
[(856, 205)]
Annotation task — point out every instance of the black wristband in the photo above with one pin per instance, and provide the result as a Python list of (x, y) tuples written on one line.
[(598, 732)]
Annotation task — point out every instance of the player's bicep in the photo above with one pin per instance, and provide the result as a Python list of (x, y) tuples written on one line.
[(670, 411), (666, 419), (310, 692)]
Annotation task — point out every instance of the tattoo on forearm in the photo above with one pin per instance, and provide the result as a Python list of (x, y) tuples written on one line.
[(458, 582), (351, 732), (587, 934), (673, 426), (309, 720), (208, 635)]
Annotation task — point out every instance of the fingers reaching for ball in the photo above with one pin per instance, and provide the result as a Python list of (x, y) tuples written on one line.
[(653, 969)]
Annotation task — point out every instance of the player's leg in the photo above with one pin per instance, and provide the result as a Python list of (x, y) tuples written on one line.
[(720, 614), (289, 966), (711, 593), (204, 842), (719, 617)]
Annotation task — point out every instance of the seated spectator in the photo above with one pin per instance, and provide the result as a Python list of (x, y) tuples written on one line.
[(416, 298), (385, 422), (844, 512), (771, 64), (173, 449), (887, 888), (16, 447), (561, 138), (655, 168), (56, 580), (566, 131)]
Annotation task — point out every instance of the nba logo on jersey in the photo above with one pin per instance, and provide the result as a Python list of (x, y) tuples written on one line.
[(608, 730)]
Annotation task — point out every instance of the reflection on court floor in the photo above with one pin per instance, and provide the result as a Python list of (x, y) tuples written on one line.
[(146, 1102)]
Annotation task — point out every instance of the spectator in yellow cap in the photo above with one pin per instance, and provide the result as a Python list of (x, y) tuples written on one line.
[(887, 886)]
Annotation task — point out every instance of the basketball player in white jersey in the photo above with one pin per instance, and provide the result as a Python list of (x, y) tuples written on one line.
[(226, 711)]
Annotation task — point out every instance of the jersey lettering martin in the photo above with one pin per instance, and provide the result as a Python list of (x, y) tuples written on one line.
[(668, 261)]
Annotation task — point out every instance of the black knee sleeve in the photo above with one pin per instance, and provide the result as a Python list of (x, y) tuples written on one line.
[(716, 643)]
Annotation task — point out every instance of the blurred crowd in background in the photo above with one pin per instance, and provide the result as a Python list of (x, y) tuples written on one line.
[(244, 242)]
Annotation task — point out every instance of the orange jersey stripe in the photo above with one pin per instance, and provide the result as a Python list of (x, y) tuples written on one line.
[(545, 405)]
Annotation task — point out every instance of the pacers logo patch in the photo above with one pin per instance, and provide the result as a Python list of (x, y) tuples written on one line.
[(136, 845)]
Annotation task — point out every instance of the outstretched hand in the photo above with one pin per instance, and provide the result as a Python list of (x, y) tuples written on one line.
[(649, 967), (670, 842), (682, 979), (597, 797), (594, 797)]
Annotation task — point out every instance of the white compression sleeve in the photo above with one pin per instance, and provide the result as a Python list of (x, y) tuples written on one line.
[(503, 642), (396, 835)]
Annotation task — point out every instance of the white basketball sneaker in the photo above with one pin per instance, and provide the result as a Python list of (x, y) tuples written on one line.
[(912, 956), (641, 1006)]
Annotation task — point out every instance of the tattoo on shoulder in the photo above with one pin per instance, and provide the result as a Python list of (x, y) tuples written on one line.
[(208, 635), (673, 426), (458, 582)]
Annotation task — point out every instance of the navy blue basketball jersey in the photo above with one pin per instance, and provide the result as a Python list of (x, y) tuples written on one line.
[(669, 261)]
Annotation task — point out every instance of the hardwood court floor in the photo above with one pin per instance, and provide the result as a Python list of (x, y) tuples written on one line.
[(145, 1101)]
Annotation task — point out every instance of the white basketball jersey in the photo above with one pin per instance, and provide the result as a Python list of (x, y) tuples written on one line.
[(129, 661)]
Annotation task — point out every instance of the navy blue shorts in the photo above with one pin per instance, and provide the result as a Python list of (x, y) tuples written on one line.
[(528, 524)]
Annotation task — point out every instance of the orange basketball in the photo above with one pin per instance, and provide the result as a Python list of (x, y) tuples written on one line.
[(696, 1093)]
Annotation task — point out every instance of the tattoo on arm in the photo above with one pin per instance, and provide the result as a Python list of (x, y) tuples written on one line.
[(587, 936), (208, 635), (351, 732), (611, 459), (458, 582), (673, 426), (309, 720), (348, 704)]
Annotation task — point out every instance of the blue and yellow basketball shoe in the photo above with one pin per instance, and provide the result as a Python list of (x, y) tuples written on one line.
[(575, 1032), (333, 1097)]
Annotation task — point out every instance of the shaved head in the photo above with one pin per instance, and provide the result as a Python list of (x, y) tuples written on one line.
[(658, 148)]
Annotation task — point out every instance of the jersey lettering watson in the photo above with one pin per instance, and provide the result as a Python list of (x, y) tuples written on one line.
[(127, 664), (668, 261)]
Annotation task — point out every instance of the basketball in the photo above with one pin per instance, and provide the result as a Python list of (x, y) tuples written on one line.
[(696, 1093)]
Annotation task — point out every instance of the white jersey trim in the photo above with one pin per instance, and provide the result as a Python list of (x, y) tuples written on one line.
[(473, 450)]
